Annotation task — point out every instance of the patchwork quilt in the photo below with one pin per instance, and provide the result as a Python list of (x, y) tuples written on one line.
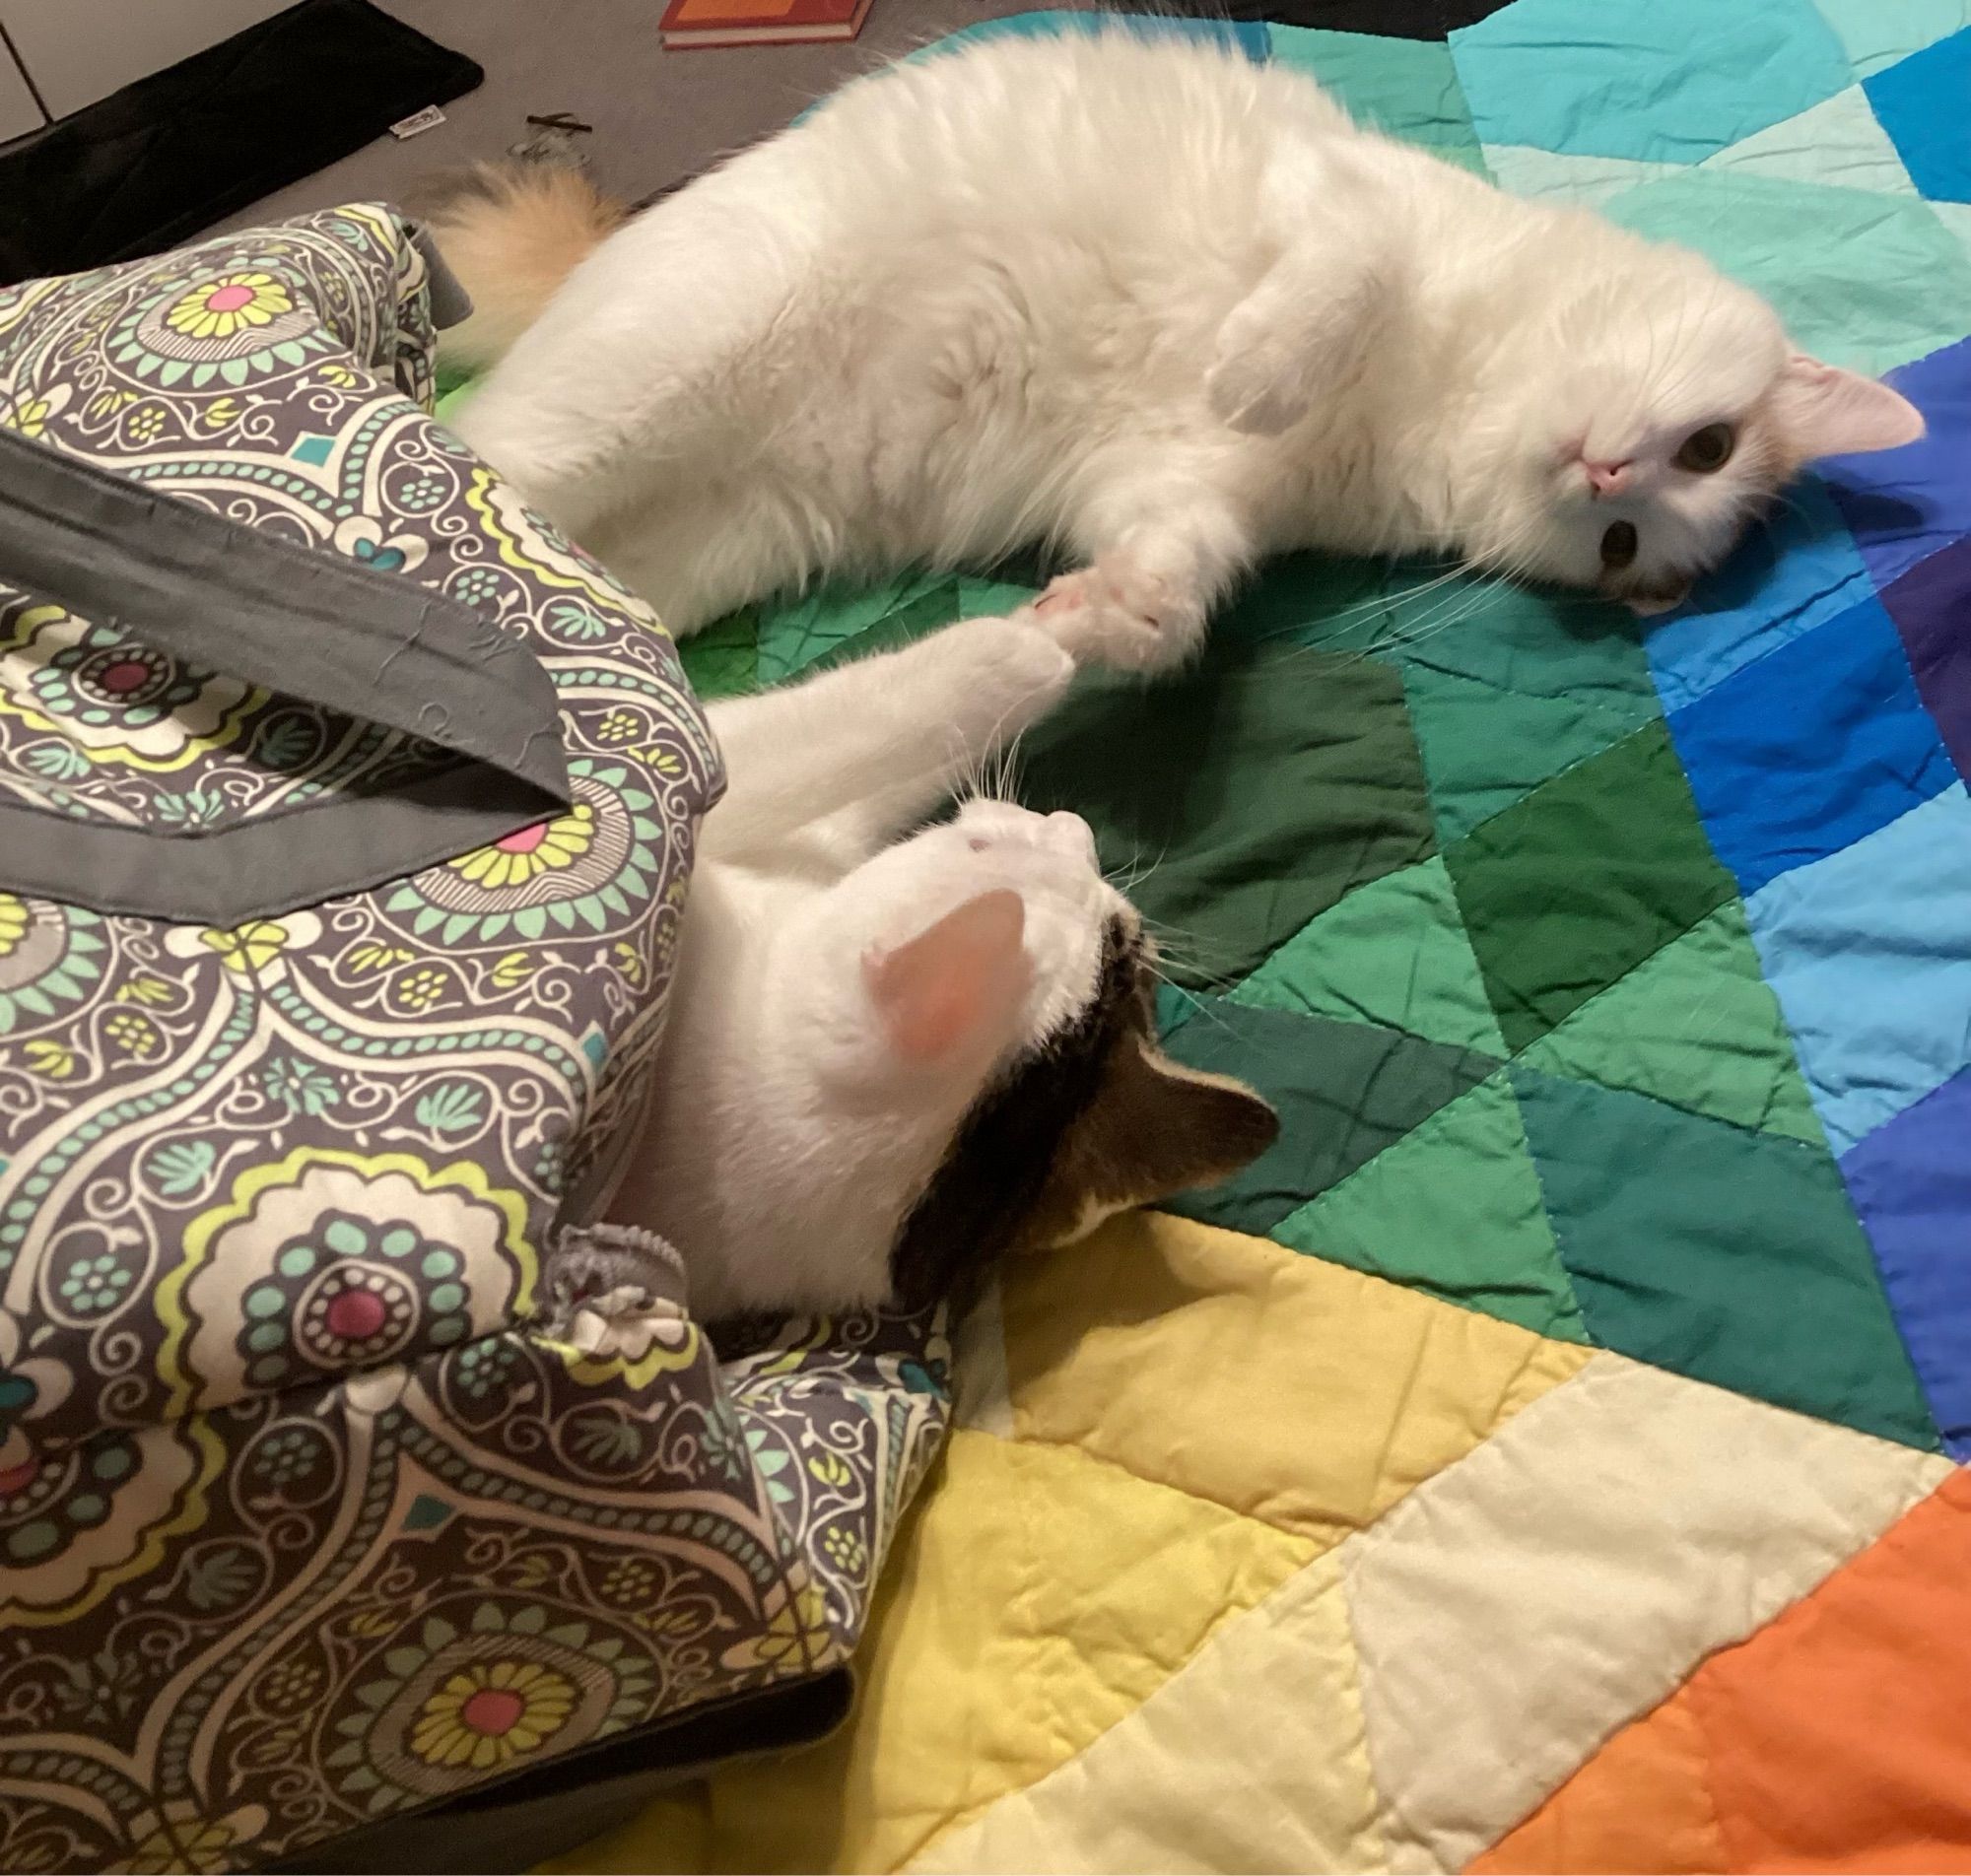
[(1548, 1456)]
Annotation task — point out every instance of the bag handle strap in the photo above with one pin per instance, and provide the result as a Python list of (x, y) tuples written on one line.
[(313, 626)]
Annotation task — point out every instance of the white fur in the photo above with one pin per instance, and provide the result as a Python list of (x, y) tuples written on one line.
[(1158, 305), (789, 1132)]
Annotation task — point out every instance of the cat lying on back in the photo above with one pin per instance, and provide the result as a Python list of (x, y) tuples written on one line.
[(1143, 300), (892, 1055)]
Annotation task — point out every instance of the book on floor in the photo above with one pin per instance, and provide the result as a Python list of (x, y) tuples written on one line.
[(706, 23)]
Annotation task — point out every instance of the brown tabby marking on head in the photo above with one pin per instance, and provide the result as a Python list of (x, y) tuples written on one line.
[(1095, 1120)]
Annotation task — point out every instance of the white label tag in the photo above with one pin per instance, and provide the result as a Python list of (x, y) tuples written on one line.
[(418, 122)]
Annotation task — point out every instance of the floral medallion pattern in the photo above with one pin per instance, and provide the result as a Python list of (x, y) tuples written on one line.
[(113, 699), (307, 1517)]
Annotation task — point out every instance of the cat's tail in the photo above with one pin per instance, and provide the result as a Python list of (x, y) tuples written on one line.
[(512, 232)]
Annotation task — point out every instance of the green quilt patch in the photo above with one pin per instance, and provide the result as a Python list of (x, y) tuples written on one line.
[(1576, 885), (1695, 1026), (1403, 88), (1343, 1091), (1454, 1208), (1562, 647), (1862, 279), (1484, 748), (1393, 953), (1728, 1255), (1241, 798)]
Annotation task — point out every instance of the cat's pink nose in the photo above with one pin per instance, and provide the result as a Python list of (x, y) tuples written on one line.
[(1606, 478)]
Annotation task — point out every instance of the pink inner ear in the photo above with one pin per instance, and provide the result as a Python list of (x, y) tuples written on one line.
[(1829, 412), (955, 986)]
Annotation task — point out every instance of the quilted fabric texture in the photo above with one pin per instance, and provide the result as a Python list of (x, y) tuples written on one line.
[(307, 1517), (1546, 1456)]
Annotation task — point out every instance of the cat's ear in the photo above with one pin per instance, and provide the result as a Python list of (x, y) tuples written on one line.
[(1825, 411), (955, 989), (1154, 1128)]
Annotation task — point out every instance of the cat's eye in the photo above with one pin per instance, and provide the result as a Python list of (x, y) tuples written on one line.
[(1618, 545), (1707, 449)]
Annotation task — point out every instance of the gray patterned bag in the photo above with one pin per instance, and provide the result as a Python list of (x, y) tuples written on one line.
[(346, 811)]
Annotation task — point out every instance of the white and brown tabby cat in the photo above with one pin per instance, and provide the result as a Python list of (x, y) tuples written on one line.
[(893, 1054)]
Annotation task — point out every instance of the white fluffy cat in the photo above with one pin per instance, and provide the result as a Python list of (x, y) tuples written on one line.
[(890, 1059), (1143, 300)]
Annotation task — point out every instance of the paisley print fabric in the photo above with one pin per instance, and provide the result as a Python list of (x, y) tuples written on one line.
[(306, 1515)]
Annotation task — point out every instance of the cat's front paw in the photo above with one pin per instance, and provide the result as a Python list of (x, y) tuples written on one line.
[(1119, 615), (1020, 663)]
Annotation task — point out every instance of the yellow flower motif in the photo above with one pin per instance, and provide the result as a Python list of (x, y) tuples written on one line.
[(249, 946), (340, 375), (796, 1636), (367, 959), (846, 1548), (218, 308), (619, 726), (15, 919), (49, 1060), (629, 1577), (546, 846), (182, 1840), (28, 416), (143, 990), (370, 1624), (103, 402), (220, 412), (419, 989), (133, 1033), (629, 961), (512, 971), (146, 425), (830, 1469), (490, 1714), (533, 1571)]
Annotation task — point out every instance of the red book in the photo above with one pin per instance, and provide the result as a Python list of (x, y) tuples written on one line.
[(691, 22)]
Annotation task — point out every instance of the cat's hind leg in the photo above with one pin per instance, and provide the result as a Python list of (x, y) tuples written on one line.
[(661, 360)]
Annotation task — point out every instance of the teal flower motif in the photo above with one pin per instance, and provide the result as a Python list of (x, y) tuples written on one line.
[(420, 493), (722, 1445), (49, 957), (300, 1086), (93, 1285), (196, 809), (221, 1579), (58, 762), (450, 1107), (180, 1167), (482, 1368), (571, 619), (607, 1441), (288, 1456), (476, 585), (769, 1462)]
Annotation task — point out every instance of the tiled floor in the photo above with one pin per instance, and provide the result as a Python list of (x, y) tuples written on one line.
[(658, 116)]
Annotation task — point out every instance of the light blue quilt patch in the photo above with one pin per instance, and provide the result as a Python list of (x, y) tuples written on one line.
[(1869, 954), (1670, 81)]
